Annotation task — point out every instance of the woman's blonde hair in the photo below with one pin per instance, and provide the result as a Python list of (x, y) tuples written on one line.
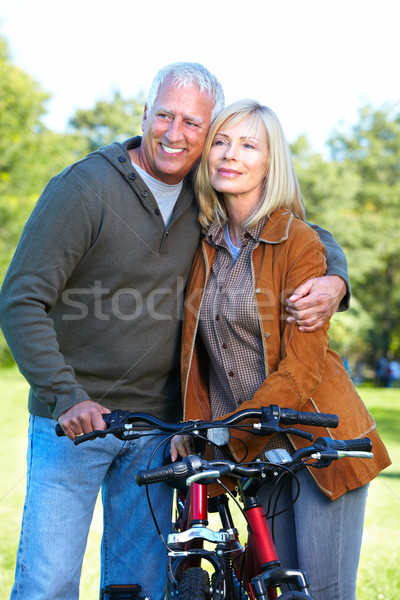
[(281, 187)]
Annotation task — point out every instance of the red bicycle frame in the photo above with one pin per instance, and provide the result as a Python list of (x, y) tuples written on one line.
[(260, 552)]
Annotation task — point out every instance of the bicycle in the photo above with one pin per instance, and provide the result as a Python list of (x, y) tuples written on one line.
[(237, 572)]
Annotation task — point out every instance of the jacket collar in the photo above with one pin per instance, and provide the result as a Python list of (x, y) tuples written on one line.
[(275, 230), (277, 227)]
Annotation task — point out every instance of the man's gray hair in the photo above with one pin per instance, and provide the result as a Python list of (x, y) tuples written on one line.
[(186, 74)]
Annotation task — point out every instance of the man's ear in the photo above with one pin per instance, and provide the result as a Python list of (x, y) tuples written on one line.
[(144, 118)]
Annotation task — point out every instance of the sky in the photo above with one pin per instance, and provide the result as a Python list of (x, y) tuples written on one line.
[(314, 62)]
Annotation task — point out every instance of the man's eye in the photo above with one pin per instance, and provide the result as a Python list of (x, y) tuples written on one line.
[(191, 124)]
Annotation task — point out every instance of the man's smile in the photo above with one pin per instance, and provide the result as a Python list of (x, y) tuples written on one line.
[(169, 150)]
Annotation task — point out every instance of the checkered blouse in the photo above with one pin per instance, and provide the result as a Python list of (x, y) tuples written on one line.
[(230, 329)]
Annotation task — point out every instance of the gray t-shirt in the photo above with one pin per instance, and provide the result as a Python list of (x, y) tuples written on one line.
[(166, 195)]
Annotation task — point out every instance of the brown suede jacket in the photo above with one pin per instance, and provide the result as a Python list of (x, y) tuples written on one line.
[(302, 371)]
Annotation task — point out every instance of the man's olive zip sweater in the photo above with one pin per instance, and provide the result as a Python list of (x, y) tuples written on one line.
[(91, 305)]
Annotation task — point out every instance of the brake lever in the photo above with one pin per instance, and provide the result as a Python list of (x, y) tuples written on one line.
[(270, 429), (303, 434), (210, 475), (269, 424)]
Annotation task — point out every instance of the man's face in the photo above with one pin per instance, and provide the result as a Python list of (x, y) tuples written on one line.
[(174, 131)]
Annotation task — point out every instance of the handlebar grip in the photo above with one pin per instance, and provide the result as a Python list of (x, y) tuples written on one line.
[(59, 430), (170, 472), (359, 445), (308, 418), (318, 419)]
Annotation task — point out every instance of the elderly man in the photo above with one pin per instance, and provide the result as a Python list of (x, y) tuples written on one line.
[(91, 308)]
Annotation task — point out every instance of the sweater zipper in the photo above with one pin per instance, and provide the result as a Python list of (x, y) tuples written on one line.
[(197, 325)]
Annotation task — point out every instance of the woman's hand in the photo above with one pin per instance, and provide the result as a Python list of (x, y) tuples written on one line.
[(314, 302), (181, 445)]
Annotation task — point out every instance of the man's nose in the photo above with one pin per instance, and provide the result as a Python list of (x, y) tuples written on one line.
[(174, 132)]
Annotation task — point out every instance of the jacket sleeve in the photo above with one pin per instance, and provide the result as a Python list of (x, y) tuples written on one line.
[(54, 239), (336, 262)]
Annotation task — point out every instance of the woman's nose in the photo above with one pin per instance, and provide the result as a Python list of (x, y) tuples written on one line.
[(231, 152)]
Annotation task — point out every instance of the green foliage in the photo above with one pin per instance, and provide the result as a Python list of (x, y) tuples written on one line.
[(372, 155), (356, 196), (30, 154), (21, 109), (109, 121), (349, 330)]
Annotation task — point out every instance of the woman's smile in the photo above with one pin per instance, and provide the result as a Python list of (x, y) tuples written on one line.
[(223, 172)]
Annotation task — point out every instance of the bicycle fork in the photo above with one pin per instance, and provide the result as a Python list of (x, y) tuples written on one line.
[(262, 570), (186, 545)]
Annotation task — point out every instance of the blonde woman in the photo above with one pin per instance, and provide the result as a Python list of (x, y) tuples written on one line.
[(239, 351)]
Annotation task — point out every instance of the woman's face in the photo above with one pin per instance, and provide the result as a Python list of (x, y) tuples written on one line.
[(237, 160)]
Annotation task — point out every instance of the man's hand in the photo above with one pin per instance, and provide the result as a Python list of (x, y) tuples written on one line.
[(83, 417), (314, 302), (181, 445)]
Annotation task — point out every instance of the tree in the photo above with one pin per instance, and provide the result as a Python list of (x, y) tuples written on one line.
[(372, 154), (356, 195), (29, 154), (109, 121)]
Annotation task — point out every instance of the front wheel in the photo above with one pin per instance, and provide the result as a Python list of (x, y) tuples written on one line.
[(194, 585)]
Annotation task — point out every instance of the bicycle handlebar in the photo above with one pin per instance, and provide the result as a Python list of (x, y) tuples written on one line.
[(192, 465), (323, 449), (119, 423)]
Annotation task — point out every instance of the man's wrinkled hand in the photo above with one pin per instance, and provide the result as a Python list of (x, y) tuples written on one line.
[(83, 417), (314, 302)]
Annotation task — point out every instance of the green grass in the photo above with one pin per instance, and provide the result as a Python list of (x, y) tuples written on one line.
[(379, 573)]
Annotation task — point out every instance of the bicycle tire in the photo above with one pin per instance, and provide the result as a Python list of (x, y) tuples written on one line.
[(194, 584)]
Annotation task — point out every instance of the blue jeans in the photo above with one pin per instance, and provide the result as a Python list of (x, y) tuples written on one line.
[(63, 483), (320, 537)]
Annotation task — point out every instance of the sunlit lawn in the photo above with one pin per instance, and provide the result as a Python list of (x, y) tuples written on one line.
[(379, 573)]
